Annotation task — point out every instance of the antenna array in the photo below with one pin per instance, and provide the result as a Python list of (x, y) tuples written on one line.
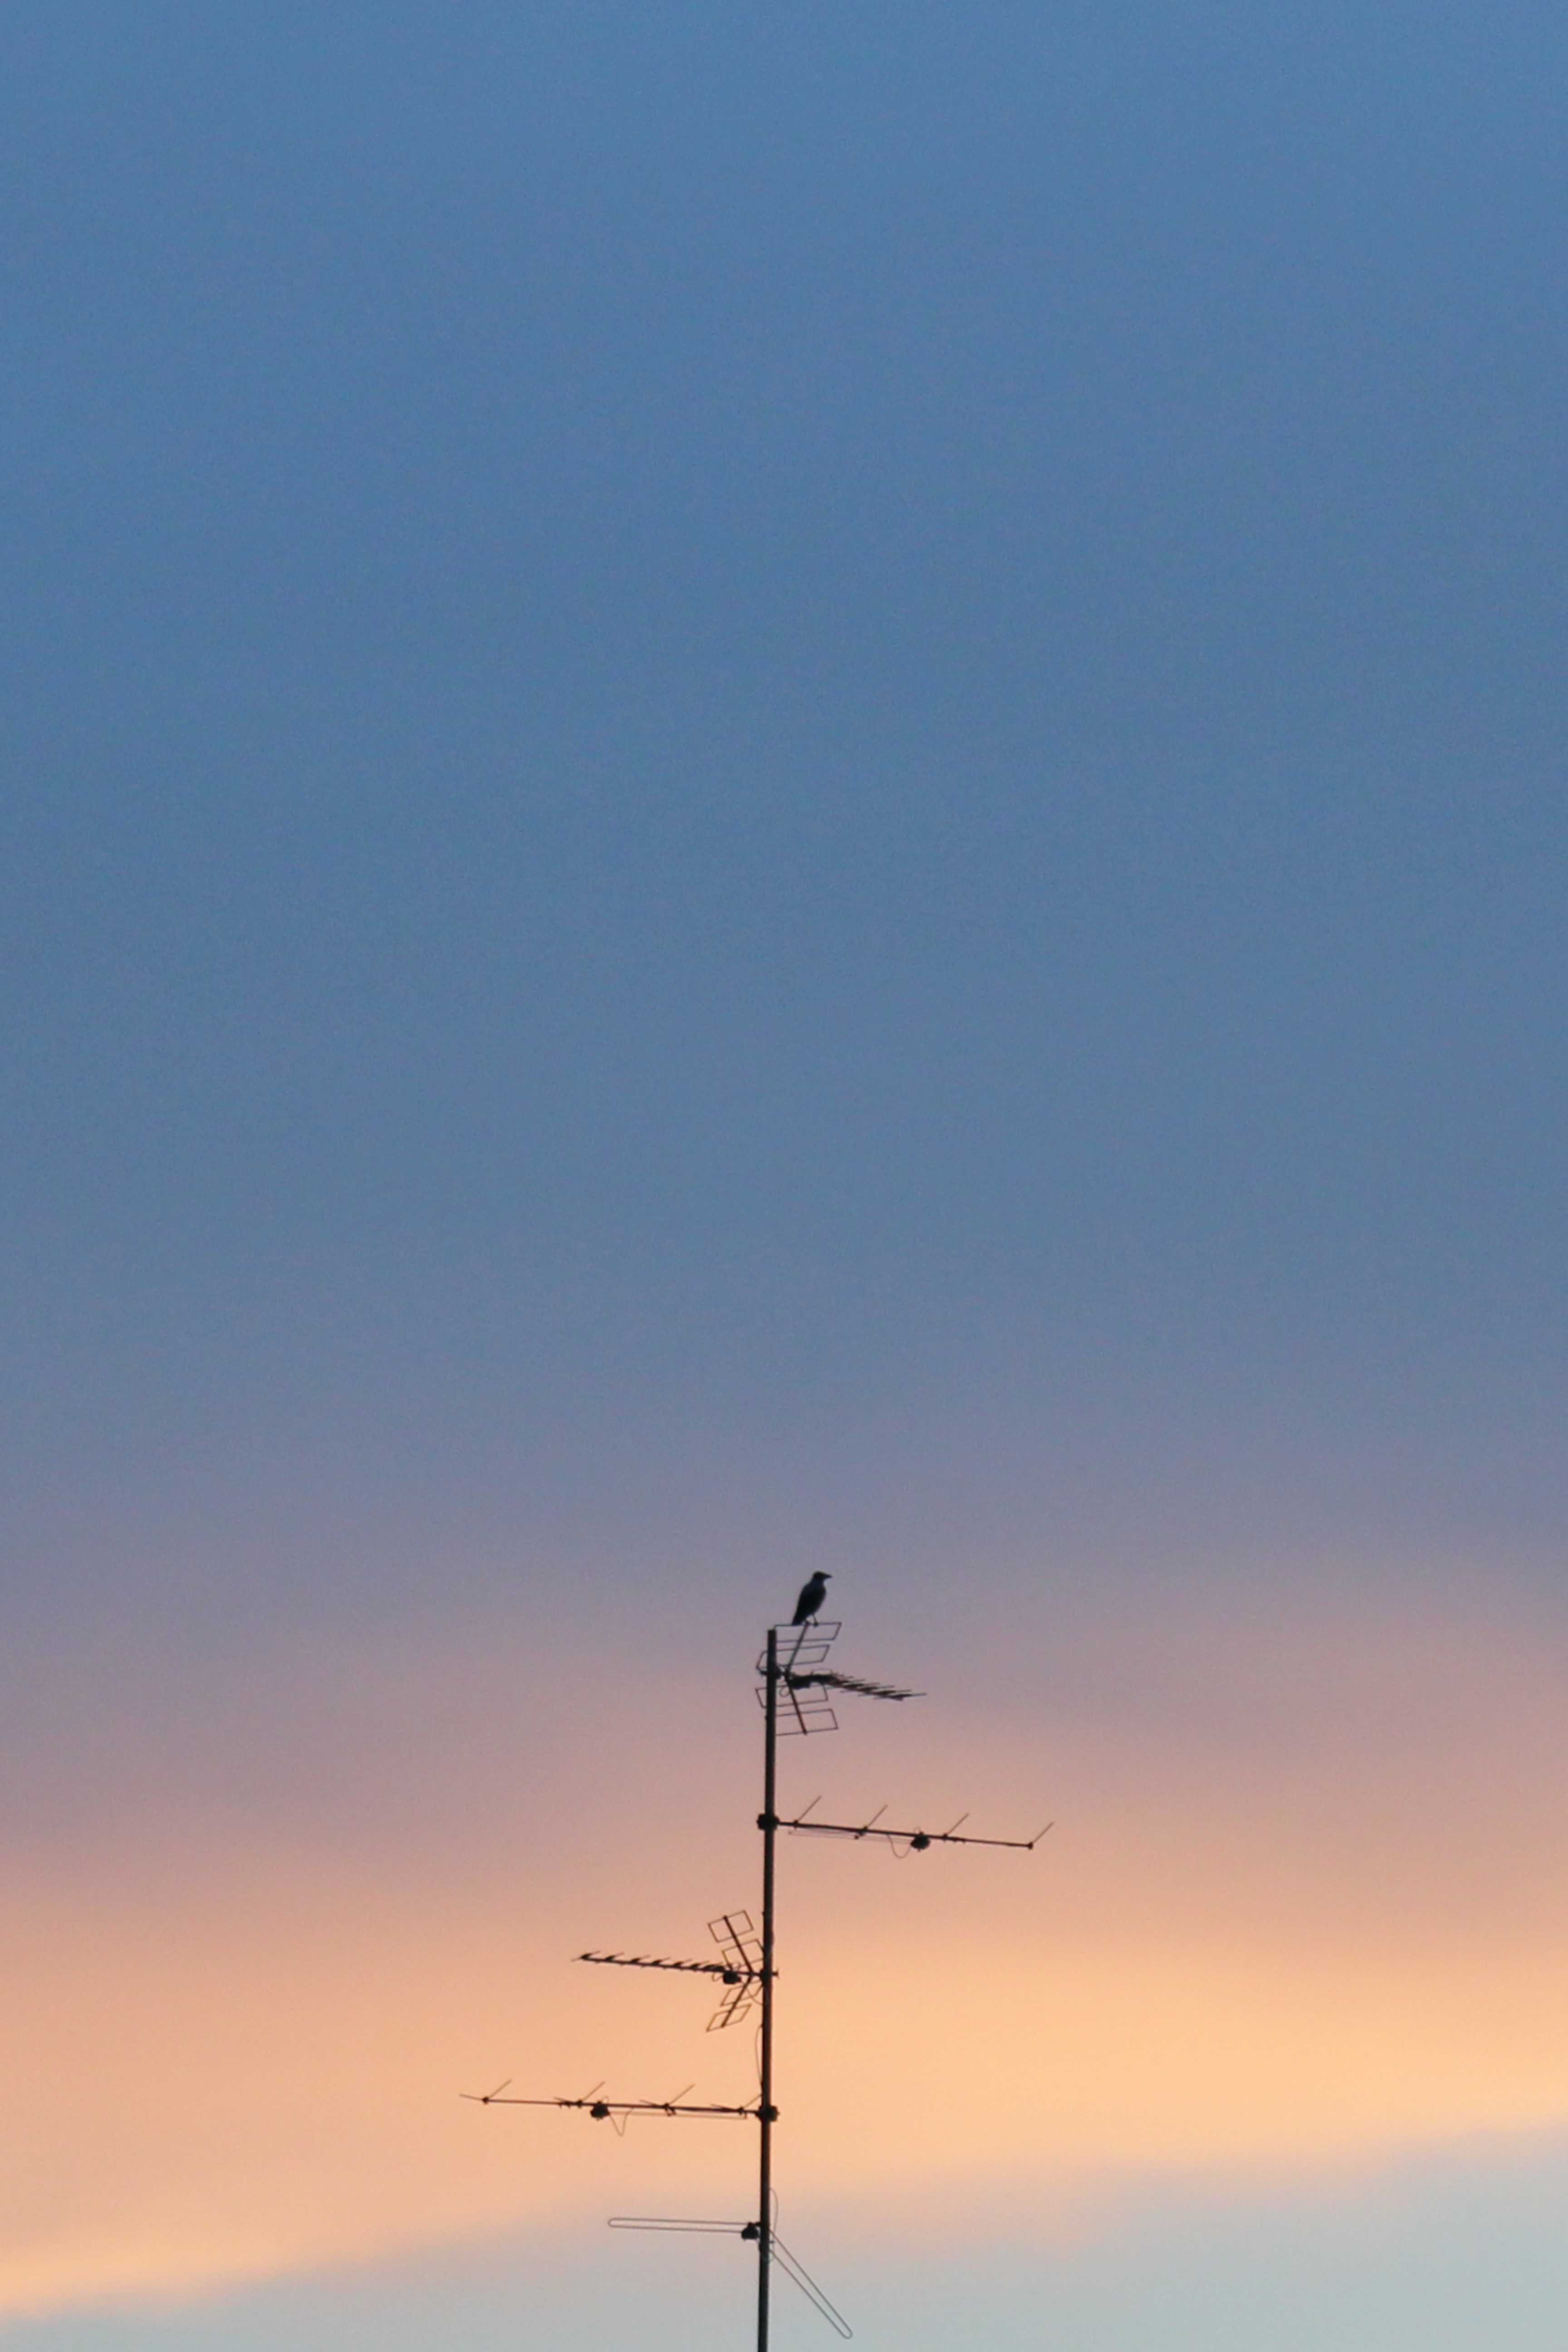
[(796, 1689)]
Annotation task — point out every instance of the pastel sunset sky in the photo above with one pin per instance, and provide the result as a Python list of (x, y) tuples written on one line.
[(782, 787)]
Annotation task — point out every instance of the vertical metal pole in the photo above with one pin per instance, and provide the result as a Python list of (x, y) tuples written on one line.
[(769, 1825)]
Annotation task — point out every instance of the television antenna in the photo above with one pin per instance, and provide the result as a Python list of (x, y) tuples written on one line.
[(796, 1690)]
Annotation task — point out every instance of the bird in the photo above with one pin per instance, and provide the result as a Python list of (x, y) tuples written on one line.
[(813, 1593)]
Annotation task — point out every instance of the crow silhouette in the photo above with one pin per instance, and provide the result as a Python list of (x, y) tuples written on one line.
[(813, 1593)]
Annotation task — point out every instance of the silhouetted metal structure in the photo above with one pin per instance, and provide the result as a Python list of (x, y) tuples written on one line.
[(795, 1689)]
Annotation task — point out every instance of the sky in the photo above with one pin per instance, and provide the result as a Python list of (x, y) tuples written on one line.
[(782, 787)]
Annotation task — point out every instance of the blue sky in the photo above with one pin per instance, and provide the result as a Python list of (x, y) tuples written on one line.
[(780, 786), (1438, 2257)]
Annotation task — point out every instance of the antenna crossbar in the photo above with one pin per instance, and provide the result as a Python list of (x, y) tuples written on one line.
[(669, 2221), (739, 1967), (602, 2109), (638, 1960), (804, 1681), (829, 1680), (912, 1841)]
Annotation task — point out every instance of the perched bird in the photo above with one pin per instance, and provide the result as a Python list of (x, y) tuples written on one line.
[(813, 1593)]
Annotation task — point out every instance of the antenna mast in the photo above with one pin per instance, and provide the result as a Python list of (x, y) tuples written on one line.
[(767, 1821), (795, 1689)]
